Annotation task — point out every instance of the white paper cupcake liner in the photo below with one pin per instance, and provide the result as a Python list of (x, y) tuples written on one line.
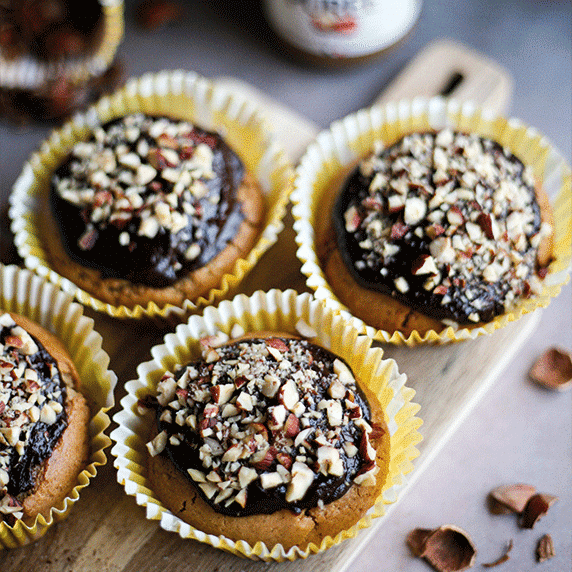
[(334, 150), (24, 293), (179, 94), (272, 311)]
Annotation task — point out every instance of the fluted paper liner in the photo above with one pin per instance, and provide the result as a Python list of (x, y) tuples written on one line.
[(178, 94), (28, 73), (24, 293), (274, 311), (337, 148)]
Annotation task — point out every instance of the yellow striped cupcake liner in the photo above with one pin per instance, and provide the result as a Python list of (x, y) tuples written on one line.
[(334, 150), (268, 311), (27, 294), (179, 94)]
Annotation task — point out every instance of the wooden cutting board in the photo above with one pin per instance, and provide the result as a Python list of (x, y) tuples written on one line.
[(107, 531)]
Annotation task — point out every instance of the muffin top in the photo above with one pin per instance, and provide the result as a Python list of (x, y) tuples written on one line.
[(148, 199), (447, 222), (264, 424), (48, 29), (32, 413)]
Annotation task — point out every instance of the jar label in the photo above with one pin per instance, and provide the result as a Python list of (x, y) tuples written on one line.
[(342, 28)]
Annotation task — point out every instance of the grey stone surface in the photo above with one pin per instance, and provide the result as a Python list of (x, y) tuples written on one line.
[(518, 433)]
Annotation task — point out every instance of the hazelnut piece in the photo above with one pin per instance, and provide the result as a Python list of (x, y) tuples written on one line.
[(292, 426), (545, 548), (305, 330), (288, 394), (302, 478), (553, 369)]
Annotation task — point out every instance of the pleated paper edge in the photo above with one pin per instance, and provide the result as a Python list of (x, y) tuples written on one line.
[(209, 104), (352, 137), (276, 311), (26, 294)]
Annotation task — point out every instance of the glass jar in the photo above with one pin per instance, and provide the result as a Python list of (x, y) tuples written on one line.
[(341, 31)]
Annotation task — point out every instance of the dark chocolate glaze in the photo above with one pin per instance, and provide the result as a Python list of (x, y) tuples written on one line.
[(267, 501), (42, 438), (158, 261), (46, 28), (411, 247)]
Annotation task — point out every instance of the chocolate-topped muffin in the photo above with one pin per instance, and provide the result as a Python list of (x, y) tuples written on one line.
[(48, 29), (267, 438), (438, 229), (152, 209), (44, 441)]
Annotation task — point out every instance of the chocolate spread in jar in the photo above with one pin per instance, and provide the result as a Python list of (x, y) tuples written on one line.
[(446, 222), (32, 412), (262, 425), (148, 199)]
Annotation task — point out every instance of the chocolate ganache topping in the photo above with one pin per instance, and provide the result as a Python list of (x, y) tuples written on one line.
[(148, 199), (32, 413), (261, 425), (446, 222)]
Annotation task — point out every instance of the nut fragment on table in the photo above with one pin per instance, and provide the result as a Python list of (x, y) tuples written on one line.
[(536, 507), (502, 559), (447, 548), (512, 498), (545, 548), (553, 369)]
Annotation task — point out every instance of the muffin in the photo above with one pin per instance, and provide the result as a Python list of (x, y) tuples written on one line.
[(151, 209), (438, 229), (56, 55), (213, 116), (267, 438), (49, 29), (148, 457), (44, 436)]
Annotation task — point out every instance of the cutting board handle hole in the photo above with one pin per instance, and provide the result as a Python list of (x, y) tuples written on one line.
[(455, 79)]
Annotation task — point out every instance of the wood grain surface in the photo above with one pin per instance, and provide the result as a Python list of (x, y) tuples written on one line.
[(107, 531)]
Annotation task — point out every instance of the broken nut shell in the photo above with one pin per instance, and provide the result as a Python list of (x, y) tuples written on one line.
[(501, 559), (447, 548), (545, 548), (536, 508), (508, 499), (553, 369)]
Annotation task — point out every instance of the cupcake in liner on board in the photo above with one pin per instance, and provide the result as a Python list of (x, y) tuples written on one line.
[(56, 55), (438, 225), (156, 201), (274, 420), (56, 390)]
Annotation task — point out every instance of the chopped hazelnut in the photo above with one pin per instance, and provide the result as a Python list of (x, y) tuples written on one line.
[(157, 445), (302, 478), (255, 415)]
